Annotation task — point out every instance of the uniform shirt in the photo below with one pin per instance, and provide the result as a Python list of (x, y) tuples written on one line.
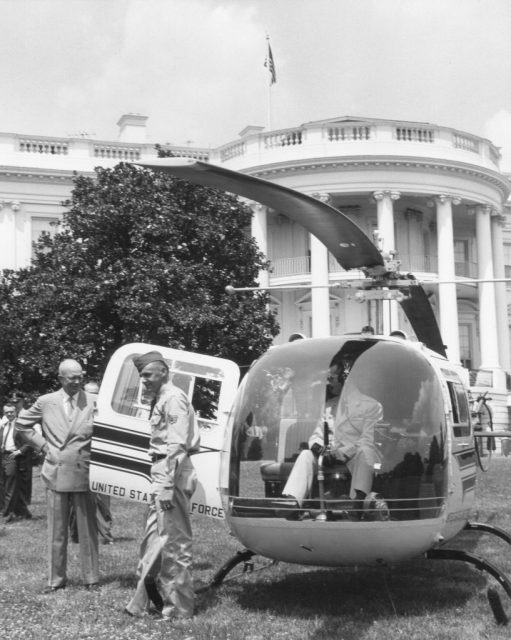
[(174, 430)]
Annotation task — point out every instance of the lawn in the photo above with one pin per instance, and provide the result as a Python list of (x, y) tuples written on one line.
[(417, 601)]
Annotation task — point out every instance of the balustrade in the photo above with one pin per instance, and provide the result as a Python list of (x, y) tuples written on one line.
[(341, 134), (414, 134), (287, 138), (232, 151), (467, 143), (116, 152), (53, 147), (188, 152)]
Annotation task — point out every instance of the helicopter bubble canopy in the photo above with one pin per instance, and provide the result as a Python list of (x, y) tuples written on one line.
[(280, 411)]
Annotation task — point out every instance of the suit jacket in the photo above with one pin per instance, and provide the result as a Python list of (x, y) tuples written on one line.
[(23, 447), (66, 466)]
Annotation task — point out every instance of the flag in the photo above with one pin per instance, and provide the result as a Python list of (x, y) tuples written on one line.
[(271, 65)]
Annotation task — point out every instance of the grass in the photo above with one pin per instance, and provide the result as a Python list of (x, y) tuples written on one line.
[(416, 600)]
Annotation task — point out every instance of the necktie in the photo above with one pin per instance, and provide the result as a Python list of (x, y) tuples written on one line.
[(69, 407)]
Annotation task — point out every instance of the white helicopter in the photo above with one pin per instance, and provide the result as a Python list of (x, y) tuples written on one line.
[(426, 450)]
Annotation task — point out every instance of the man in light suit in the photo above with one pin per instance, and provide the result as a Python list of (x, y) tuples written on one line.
[(66, 418), (351, 417)]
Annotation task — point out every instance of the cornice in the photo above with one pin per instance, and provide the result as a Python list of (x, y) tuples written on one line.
[(434, 165), (36, 174)]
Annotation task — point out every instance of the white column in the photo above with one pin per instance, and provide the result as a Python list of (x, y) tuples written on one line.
[(260, 234), (385, 213), (8, 210), (487, 304), (447, 300), (497, 221), (320, 293)]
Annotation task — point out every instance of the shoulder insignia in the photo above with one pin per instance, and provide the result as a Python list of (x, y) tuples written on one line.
[(171, 418)]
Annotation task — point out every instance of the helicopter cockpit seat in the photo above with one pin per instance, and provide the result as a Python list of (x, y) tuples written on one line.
[(275, 475)]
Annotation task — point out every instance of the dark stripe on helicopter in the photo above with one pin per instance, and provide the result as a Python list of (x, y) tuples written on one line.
[(466, 458), (121, 436), (122, 463), (122, 470)]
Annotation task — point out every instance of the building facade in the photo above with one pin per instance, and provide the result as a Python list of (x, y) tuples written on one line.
[(432, 195)]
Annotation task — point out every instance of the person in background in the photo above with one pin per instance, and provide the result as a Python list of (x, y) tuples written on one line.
[(367, 330), (164, 568), (15, 462), (66, 417)]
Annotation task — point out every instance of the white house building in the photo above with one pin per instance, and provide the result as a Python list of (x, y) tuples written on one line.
[(433, 194)]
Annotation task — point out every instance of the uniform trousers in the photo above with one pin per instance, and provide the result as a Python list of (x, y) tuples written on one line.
[(299, 483), (166, 550), (58, 507), (14, 500)]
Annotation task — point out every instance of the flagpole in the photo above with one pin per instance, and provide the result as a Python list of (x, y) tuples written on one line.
[(269, 108), (269, 63)]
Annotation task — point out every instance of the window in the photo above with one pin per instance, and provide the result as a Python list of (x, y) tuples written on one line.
[(460, 409), (461, 257), (465, 345), (201, 384), (39, 225)]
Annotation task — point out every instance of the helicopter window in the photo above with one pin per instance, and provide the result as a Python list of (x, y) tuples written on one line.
[(201, 384), (460, 409), (283, 400)]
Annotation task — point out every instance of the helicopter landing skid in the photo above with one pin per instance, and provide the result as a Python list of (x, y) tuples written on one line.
[(489, 528), (482, 565), (244, 556)]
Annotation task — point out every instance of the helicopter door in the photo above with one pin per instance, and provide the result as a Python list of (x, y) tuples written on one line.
[(120, 464)]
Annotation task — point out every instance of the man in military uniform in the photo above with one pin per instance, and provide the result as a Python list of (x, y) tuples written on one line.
[(164, 568)]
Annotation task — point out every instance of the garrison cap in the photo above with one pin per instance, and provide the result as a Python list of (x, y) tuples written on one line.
[(143, 360)]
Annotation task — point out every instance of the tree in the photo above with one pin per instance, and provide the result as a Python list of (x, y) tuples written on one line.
[(138, 257)]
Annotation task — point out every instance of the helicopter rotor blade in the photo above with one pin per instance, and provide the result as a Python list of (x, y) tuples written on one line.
[(420, 314), (343, 238)]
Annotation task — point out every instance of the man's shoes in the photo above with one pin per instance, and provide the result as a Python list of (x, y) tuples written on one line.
[(153, 593), (93, 586), (174, 616), (50, 589), (375, 508)]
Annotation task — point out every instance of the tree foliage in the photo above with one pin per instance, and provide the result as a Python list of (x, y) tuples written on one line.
[(138, 257)]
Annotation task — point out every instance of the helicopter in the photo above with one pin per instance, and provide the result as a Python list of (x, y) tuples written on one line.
[(425, 449)]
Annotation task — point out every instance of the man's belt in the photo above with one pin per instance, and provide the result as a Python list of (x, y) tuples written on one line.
[(157, 456)]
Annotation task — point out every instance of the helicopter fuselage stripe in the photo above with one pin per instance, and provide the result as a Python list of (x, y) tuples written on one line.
[(122, 436), (122, 463)]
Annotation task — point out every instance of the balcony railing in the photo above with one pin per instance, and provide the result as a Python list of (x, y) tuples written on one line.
[(282, 267), (414, 134), (301, 265), (117, 152), (43, 145), (333, 138), (336, 134)]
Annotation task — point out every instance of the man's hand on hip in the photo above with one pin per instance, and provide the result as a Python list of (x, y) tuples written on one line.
[(164, 499)]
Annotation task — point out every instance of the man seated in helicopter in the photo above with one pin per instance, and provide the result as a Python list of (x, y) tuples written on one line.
[(349, 419)]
